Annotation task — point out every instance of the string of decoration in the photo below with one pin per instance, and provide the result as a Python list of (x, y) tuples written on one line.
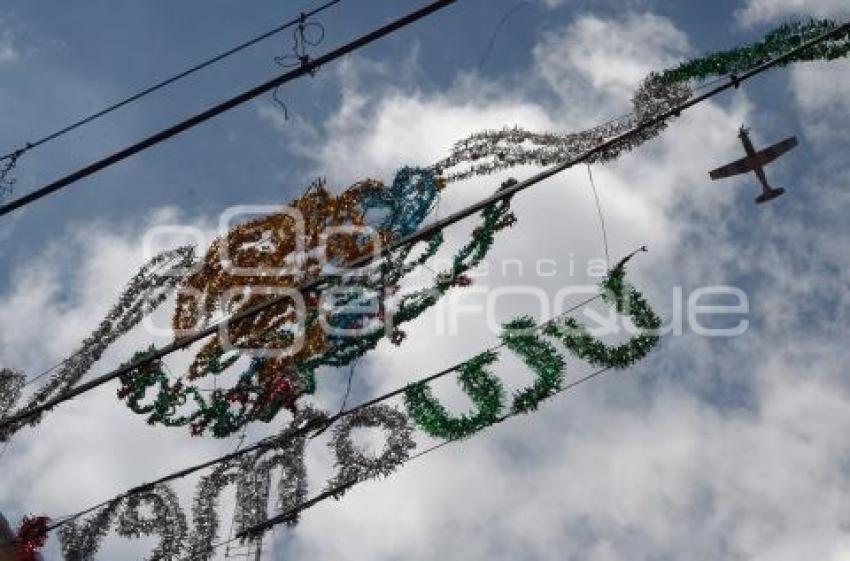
[(306, 421), (491, 151), (145, 292), (271, 384), (30, 538), (485, 390), (80, 541), (285, 516), (7, 182), (299, 430)]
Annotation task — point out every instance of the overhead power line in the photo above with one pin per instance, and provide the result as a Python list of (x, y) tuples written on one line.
[(320, 426), (424, 233), (306, 68), (15, 154)]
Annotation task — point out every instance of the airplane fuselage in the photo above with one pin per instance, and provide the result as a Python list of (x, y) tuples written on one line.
[(758, 169)]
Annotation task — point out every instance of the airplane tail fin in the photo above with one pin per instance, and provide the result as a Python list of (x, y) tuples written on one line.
[(769, 195)]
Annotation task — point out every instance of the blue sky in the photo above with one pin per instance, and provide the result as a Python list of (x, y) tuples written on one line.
[(711, 449)]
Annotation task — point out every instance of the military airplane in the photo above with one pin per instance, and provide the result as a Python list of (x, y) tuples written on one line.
[(755, 162)]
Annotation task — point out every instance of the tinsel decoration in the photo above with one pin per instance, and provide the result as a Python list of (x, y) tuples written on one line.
[(280, 251), (776, 42), (520, 336), (352, 463), (492, 151), (627, 300), (205, 518), (495, 150), (31, 537), (166, 521), (80, 541), (11, 384), (252, 476), (269, 384), (254, 487), (484, 389), (146, 291)]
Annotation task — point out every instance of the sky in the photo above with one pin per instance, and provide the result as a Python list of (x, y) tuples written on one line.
[(712, 448)]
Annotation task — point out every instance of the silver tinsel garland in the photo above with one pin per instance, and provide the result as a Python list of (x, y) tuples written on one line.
[(146, 291), (167, 521), (353, 464), (11, 384), (205, 517), (80, 541), (254, 489), (492, 151), (252, 477)]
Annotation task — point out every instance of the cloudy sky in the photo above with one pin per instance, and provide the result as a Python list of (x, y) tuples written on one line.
[(711, 449)]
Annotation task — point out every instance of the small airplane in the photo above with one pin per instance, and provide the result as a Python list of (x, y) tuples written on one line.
[(755, 162)]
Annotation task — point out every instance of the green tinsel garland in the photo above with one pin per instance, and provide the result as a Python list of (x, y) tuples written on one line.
[(541, 356), (484, 389), (520, 336), (778, 41)]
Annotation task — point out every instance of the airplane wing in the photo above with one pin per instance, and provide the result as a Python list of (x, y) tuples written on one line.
[(764, 157), (744, 165)]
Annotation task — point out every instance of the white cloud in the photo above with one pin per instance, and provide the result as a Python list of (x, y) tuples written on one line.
[(596, 57), (9, 53), (765, 11), (821, 92)]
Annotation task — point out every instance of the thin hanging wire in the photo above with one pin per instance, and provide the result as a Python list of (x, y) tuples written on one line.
[(492, 43), (601, 217), (307, 34)]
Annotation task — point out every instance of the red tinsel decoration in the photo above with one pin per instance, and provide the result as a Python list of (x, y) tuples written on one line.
[(31, 537)]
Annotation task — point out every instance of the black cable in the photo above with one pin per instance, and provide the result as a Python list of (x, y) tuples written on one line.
[(168, 81), (191, 122), (422, 234)]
